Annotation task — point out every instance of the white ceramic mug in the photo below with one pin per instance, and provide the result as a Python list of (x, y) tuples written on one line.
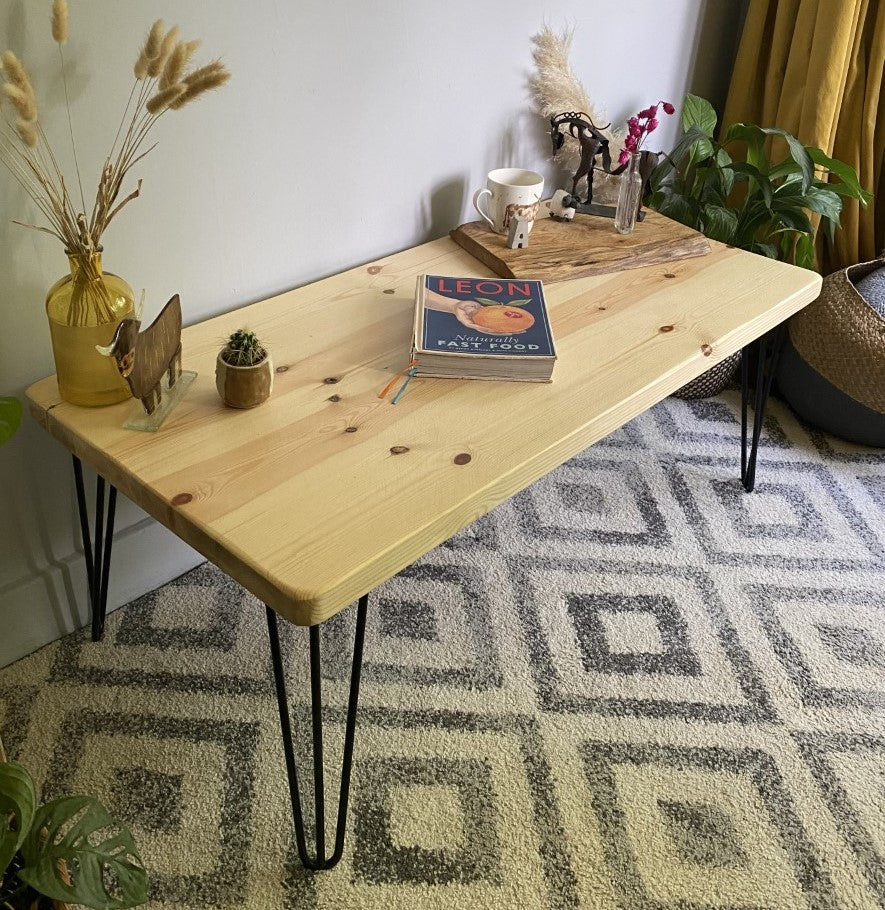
[(512, 193)]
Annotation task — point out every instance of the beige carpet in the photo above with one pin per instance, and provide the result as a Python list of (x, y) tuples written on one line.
[(632, 686)]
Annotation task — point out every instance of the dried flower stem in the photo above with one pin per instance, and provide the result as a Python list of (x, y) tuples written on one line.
[(64, 79), (60, 21), (161, 85)]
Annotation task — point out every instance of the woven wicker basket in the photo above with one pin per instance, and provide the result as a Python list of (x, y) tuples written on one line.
[(842, 337), (713, 381)]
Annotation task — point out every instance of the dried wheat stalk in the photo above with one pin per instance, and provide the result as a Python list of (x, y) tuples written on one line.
[(161, 84)]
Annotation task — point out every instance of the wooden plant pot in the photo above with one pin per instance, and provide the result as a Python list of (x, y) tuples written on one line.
[(244, 387)]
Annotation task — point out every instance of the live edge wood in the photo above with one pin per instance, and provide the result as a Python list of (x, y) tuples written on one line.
[(560, 251), (325, 490)]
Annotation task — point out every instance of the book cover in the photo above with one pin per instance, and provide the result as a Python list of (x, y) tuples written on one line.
[(482, 317)]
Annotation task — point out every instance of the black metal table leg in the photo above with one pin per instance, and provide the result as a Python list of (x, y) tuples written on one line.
[(767, 350), (319, 860), (98, 556)]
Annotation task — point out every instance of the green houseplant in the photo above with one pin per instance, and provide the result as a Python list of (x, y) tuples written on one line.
[(68, 850), (10, 417), (732, 189), (244, 371)]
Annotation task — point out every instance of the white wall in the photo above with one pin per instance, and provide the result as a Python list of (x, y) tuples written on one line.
[(348, 131)]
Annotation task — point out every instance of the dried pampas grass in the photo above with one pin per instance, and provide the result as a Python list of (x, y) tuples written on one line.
[(27, 131), (154, 39), (161, 84), (60, 21), (24, 102), (157, 64), (15, 73), (176, 63), (164, 98), (205, 79), (556, 88)]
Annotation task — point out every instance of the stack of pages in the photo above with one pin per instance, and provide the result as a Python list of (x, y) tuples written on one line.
[(482, 328)]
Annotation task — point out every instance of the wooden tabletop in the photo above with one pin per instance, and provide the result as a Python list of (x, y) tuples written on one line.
[(303, 499)]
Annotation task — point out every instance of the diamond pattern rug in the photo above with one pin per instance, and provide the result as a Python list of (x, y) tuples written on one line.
[(631, 686)]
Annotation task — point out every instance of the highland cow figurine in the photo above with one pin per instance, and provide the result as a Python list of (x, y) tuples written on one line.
[(143, 357)]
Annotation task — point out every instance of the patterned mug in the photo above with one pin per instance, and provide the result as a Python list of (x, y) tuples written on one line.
[(512, 193)]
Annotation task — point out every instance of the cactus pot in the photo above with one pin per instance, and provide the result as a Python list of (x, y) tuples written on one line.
[(243, 387)]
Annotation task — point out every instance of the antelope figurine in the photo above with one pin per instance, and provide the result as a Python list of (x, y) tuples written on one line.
[(143, 357), (593, 144), (592, 141)]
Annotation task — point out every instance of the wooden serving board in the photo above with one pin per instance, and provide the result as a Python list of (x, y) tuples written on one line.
[(588, 245)]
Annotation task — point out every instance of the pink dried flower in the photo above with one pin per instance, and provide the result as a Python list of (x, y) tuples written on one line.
[(637, 130)]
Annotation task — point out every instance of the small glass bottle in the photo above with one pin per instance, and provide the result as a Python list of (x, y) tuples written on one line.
[(629, 196)]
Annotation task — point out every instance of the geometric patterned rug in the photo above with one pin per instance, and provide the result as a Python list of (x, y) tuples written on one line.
[(631, 686)]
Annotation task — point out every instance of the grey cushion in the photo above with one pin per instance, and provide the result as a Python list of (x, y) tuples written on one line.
[(872, 289)]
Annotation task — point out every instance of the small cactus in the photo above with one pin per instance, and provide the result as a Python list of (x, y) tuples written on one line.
[(243, 349)]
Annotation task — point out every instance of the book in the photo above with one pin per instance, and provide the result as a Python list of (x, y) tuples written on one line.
[(482, 328)]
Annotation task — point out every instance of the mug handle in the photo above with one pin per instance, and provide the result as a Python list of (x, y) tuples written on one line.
[(476, 197)]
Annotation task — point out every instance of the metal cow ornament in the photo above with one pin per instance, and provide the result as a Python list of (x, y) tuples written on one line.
[(144, 357)]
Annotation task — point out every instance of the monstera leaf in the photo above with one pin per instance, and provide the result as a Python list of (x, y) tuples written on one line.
[(17, 804), (76, 852)]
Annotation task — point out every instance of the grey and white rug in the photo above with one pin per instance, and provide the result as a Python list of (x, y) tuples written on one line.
[(632, 686)]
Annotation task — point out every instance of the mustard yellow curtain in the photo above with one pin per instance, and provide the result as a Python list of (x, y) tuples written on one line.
[(815, 68)]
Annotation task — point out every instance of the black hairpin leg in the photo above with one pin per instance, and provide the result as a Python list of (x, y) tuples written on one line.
[(319, 860), (97, 557), (767, 350)]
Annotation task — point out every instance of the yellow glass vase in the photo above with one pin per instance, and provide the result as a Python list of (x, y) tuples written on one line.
[(84, 309)]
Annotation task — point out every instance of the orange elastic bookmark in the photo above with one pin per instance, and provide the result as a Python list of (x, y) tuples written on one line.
[(384, 392)]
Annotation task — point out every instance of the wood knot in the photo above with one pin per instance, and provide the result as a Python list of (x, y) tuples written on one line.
[(330, 380), (463, 458), (373, 269), (706, 349), (282, 369), (602, 309), (334, 398), (389, 291), (666, 328), (399, 450), (350, 429), (182, 499), (669, 275)]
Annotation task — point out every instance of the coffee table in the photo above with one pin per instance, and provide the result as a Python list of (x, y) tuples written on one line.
[(313, 499)]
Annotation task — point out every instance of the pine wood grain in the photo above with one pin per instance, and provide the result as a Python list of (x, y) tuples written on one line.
[(324, 491), (561, 251)]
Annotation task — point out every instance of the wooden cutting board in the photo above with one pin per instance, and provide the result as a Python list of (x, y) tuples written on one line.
[(586, 246)]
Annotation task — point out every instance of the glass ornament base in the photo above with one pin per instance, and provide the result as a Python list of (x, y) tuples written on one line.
[(169, 398)]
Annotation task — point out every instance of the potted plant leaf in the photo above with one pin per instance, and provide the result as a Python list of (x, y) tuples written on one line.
[(244, 371), (734, 190), (10, 417), (751, 201), (67, 851)]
